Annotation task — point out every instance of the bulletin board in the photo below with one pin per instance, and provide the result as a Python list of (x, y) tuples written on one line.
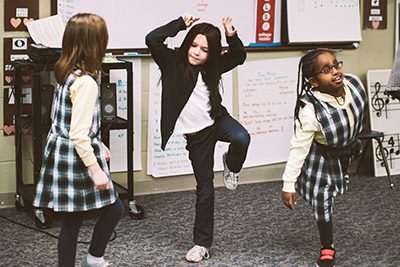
[(384, 113)]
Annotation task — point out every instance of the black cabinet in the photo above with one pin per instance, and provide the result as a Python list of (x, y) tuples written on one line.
[(39, 129)]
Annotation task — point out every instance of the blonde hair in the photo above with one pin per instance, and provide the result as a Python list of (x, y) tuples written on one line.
[(83, 46)]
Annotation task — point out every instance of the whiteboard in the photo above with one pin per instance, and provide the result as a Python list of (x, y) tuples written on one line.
[(129, 21), (384, 113), (267, 95), (322, 21), (174, 160)]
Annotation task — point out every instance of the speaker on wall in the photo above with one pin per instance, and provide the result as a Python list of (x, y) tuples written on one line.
[(108, 97)]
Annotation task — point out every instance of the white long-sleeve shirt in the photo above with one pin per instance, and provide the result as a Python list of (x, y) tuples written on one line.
[(195, 115), (301, 141), (84, 92)]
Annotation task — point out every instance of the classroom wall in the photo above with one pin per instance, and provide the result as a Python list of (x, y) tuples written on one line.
[(375, 52)]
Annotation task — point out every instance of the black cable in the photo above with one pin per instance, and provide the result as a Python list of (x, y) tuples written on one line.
[(113, 237)]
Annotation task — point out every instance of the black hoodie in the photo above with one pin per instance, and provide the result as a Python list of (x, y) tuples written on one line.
[(176, 89)]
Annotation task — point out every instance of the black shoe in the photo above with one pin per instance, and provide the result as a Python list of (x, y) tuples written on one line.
[(327, 257)]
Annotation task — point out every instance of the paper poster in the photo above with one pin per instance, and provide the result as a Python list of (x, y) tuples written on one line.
[(267, 95), (47, 31)]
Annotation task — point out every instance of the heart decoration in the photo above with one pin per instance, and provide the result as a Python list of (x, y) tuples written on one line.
[(375, 24), (26, 78), (9, 129), (26, 20), (8, 79), (15, 22), (24, 130)]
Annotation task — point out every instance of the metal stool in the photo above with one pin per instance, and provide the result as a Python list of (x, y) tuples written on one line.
[(378, 136)]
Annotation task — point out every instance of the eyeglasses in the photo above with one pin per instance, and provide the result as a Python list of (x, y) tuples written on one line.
[(328, 68)]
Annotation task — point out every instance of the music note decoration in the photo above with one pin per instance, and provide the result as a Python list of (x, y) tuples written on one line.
[(382, 101), (391, 148)]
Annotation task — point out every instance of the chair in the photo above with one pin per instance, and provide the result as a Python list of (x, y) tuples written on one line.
[(378, 136)]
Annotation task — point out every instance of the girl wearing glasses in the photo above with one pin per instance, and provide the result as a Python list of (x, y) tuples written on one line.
[(329, 115)]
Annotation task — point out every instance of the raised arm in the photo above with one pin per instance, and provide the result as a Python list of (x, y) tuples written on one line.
[(156, 38), (236, 54)]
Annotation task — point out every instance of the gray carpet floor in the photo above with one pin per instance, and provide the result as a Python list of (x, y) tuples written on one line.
[(252, 228)]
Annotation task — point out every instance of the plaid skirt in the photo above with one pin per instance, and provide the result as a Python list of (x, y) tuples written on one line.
[(321, 179), (64, 183)]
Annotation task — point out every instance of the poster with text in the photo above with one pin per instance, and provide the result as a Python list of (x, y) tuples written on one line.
[(267, 95)]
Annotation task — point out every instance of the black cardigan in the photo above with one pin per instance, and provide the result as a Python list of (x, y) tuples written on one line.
[(176, 89)]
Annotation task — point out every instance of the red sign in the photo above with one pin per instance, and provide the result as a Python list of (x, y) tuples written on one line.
[(265, 22)]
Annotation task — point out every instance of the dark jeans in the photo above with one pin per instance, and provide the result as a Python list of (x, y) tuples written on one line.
[(103, 229), (201, 148)]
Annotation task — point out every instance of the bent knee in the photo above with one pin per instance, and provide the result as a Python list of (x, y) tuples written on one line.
[(242, 139)]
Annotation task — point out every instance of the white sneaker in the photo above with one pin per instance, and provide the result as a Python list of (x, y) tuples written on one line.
[(85, 263), (230, 178), (197, 253)]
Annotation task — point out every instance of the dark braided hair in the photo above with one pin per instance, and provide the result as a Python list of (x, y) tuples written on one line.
[(305, 71)]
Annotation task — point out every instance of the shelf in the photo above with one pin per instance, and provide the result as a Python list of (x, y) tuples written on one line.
[(36, 127), (114, 125)]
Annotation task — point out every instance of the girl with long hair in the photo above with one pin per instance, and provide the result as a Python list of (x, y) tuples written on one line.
[(74, 177), (191, 105)]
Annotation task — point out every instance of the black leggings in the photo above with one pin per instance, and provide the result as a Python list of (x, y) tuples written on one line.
[(325, 233), (110, 215)]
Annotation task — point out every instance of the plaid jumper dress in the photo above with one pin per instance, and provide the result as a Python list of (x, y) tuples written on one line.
[(64, 183), (322, 176)]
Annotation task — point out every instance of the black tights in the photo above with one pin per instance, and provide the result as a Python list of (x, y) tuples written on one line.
[(105, 225), (325, 233)]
